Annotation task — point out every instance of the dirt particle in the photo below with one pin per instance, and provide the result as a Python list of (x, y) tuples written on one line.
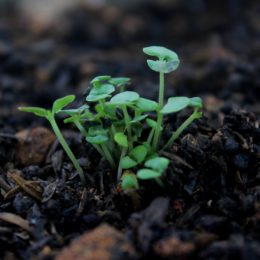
[(33, 145), (104, 242)]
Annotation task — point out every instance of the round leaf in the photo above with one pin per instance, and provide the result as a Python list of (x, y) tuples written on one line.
[(175, 104), (121, 139), (146, 105), (147, 174), (124, 98), (161, 53)]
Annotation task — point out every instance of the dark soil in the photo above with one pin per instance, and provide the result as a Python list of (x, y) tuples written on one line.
[(210, 206)]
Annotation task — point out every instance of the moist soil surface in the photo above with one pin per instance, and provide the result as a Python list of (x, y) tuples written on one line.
[(209, 207)]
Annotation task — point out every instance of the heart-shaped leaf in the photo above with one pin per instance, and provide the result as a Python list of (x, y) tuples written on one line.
[(161, 53), (60, 103), (175, 104)]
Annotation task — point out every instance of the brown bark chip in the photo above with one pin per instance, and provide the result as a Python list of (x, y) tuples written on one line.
[(104, 242), (33, 145)]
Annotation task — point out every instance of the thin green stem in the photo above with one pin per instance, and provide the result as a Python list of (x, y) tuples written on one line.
[(161, 90), (119, 169), (182, 127), (157, 133), (108, 155), (150, 136), (80, 127), (128, 129), (67, 149)]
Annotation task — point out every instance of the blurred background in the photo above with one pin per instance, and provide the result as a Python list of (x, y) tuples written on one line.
[(49, 48)]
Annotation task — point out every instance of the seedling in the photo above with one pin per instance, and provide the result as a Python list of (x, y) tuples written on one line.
[(58, 105), (113, 120)]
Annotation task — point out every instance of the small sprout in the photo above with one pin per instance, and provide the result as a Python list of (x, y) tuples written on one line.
[(114, 122), (175, 104), (129, 181), (50, 116), (167, 62)]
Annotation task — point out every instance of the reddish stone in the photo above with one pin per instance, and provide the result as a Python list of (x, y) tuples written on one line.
[(104, 242), (33, 145)]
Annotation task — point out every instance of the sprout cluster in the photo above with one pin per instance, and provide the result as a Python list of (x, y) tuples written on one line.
[(113, 121)]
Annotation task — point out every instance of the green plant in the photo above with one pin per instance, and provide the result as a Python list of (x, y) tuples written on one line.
[(113, 121)]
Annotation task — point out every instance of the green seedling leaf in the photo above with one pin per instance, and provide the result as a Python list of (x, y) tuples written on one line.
[(98, 139), (161, 53), (196, 102), (75, 111), (100, 79), (121, 139), (129, 181), (139, 153), (38, 111), (175, 104), (146, 105), (158, 164), (162, 66), (127, 163), (152, 123), (119, 81), (138, 119), (60, 103), (148, 174), (100, 92), (97, 135), (124, 98)]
